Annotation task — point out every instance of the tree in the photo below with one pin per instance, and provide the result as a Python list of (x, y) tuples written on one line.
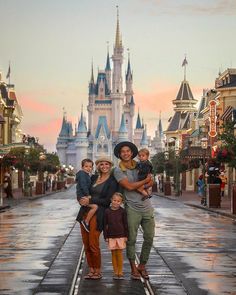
[(227, 151)]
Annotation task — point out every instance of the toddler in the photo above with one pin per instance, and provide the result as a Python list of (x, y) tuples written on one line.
[(83, 189), (144, 167), (116, 233)]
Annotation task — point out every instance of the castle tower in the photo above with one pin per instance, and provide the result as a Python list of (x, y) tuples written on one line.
[(91, 101), (108, 71), (62, 140), (144, 140), (81, 143), (117, 88), (158, 140), (138, 131), (129, 106), (123, 132), (184, 107)]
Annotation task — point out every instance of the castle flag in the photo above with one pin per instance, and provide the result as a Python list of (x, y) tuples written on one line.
[(8, 73), (184, 63)]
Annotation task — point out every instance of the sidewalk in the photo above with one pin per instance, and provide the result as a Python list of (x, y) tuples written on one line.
[(191, 198), (19, 198)]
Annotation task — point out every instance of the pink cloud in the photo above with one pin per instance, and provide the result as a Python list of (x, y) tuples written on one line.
[(30, 104)]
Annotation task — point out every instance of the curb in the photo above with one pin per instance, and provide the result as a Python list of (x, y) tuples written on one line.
[(32, 198), (225, 214), (229, 215)]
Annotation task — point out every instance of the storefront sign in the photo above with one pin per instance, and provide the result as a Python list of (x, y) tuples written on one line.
[(212, 118)]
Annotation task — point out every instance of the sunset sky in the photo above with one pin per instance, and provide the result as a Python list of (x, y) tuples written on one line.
[(51, 43)]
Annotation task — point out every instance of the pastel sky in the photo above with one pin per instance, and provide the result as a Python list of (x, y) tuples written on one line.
[(51, 43)]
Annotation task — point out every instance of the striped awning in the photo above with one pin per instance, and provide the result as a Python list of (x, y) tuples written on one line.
[(227, 113)]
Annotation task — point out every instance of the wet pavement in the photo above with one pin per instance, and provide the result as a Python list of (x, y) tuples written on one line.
[(31, 236), (194, 251), (198, 246)]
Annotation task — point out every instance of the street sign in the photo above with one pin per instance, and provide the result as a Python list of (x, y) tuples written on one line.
[(212, 118)]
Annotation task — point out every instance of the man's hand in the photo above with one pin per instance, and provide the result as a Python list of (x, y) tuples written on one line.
[(148, 178)]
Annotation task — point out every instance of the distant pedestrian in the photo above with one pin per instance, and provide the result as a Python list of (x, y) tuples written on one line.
[(83, 189), (7, 185), (201, 188), (223, 183), (116, 233)]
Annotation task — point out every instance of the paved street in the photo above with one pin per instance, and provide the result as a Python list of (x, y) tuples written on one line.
[(40, 245), (198, 246)]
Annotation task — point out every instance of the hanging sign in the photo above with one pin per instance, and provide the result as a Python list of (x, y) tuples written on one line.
[(212, 118)]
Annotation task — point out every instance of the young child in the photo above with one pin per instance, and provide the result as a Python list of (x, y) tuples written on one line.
[(116, 233), (144, 167), (83, 189)]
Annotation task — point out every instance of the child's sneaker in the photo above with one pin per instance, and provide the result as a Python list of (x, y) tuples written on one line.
[(85, 225)]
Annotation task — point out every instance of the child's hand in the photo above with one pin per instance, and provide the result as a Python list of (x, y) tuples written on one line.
[(107, 240)]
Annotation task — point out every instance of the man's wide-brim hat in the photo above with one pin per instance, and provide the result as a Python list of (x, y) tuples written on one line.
[(129, 144), (104, 159)]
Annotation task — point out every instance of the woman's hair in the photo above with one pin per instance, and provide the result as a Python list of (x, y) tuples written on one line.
[(98, 168), (86, 161), (145, 151), (116, 194)]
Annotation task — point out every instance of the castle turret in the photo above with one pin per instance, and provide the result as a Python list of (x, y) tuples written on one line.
[(81, 143), (144, 139), (129, 83), (138, 131), (123, 132), (62, 140), (91, 101), (108, 71)]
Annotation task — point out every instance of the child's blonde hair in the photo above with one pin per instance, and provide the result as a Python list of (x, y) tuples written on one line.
[(145, 151), (118, 195)]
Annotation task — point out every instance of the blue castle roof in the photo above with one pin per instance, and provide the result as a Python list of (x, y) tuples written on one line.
[(123, 128), (102, 124)]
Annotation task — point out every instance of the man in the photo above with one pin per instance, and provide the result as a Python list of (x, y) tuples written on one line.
[(139, 212)]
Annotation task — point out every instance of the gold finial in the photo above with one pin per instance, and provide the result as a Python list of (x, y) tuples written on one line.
[(118, 37)]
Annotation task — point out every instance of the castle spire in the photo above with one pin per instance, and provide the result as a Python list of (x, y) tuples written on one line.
[(138, 123), (128, 73), (108, 66), (184, 64), (118, 42), (92, 76)]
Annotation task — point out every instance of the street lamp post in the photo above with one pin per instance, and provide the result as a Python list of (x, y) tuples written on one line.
[(204, 145), (177, 189), (26, 174)]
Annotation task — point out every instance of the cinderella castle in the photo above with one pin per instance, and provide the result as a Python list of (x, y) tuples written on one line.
[(111, 112)]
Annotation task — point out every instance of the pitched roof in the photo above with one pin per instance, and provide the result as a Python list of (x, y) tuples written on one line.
[(108, 66), (144, 140), (102, 125), (123, 128), (82, 126), (185, 92), (138, 123)]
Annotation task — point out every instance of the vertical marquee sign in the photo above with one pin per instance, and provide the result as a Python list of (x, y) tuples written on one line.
[(212, 118)]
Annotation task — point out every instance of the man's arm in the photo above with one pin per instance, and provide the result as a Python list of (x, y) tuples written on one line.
[(131, 186)]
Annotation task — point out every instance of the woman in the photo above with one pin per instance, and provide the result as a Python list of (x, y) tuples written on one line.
[(7, 185), (103, 187)]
